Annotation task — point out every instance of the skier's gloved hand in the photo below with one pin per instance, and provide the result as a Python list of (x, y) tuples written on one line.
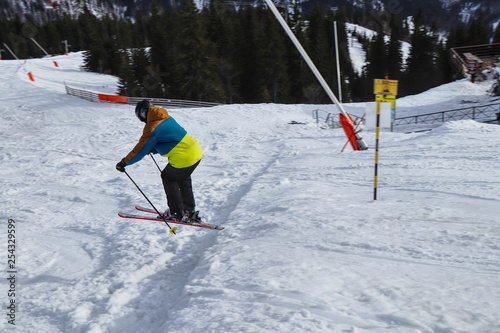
[(120, 166)]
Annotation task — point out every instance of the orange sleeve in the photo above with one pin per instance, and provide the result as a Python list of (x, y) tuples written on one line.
[(146, 134)]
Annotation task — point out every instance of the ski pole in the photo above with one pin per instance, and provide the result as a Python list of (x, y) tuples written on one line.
[(155, 162), (172, 230)]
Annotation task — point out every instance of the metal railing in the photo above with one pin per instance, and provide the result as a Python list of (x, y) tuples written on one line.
[(481, 51), (481, 113), (327, 119), (487, 53), (164, 102), (172, 103), (89, 96)]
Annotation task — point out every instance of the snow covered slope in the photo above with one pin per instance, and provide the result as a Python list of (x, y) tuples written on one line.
[(305, 249)]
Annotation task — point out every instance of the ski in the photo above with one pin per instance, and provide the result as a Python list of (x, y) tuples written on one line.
[(193, 224), (146, 209), (152, 211)]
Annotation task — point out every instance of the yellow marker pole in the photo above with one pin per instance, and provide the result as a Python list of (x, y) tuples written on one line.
[(376, 151)]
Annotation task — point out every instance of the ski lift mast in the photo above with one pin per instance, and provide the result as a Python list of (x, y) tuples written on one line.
[(356, 140)]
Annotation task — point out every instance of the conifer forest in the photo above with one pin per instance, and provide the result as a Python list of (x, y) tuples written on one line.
[(226, 54)]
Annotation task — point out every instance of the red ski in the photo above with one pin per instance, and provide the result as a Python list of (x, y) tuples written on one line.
[(193, 224)]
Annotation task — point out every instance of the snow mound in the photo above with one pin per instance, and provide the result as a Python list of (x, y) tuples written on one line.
[(465, 126)]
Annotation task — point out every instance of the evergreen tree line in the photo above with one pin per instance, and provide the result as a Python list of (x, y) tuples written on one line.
[(228, 55)]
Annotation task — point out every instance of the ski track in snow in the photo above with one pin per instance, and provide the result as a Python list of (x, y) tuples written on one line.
[(305, 248)]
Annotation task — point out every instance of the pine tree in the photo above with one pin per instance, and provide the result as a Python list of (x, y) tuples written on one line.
[(496, 36), (346, 66), (141, 84), (271, 57), (53, 38), (457, 36), (161, 34), (394, 53), (421, 71), (223, 32), (15, 39), (69, 30), (246, 60), (478, 32), (31, 29), (90, 28), (195, 68), (296, 66), (126, 75), (320, 47), (4, 26), (444, 68), (376, 67)]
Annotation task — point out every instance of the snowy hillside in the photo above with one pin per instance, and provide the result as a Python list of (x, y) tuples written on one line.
[(305, 247)]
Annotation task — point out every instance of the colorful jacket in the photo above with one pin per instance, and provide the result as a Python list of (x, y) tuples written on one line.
[(163, 135)]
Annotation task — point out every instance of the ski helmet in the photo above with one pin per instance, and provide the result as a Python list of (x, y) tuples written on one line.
[(141, 110)]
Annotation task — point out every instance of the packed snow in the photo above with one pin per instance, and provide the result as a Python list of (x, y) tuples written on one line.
[(305, 248)]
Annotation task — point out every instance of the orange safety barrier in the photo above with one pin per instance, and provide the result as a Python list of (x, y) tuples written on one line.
[(113, 98), (353, 132), (348, 126)]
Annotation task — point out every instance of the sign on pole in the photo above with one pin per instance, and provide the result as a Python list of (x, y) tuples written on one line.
[(385, 87), (384, 90)]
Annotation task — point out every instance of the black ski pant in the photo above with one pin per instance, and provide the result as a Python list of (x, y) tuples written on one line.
[(178, 188)]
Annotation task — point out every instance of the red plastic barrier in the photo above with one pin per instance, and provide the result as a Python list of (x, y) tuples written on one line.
[(349, 130), (113, 98)]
